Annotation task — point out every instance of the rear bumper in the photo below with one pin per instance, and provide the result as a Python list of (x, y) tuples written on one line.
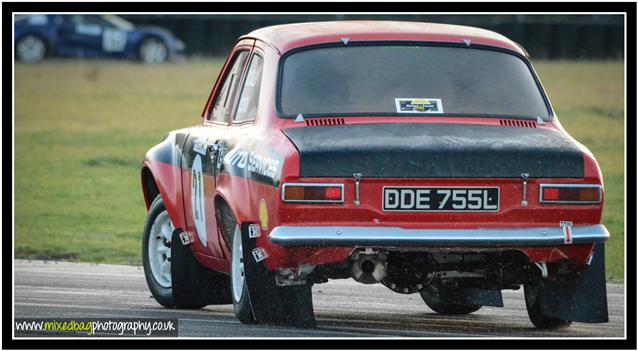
[(326, 236)]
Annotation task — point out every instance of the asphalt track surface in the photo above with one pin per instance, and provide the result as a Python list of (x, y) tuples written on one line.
[(343, 308)]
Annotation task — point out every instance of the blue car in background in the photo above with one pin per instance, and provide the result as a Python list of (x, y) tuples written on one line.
[(99, 36)]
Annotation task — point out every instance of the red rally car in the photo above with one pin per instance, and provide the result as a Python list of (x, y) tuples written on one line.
[(424, 157)]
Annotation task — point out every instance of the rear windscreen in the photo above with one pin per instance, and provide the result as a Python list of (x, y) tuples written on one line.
[(401, 79)]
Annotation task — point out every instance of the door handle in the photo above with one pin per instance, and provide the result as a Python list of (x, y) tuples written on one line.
[(221, 152)]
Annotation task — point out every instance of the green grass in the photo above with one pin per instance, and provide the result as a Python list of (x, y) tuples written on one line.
[(82, 128)]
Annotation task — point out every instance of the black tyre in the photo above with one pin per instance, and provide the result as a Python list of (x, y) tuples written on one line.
[(30, 49), (174, 276), (239, 290), (538, 318), (445, 300), (256, 297), (156, 253), (152, 51)]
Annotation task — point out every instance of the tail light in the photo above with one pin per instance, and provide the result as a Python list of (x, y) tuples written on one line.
[(312, 193), (577, 194)]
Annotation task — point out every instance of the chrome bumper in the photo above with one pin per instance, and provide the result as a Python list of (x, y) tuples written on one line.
[(395, 237)]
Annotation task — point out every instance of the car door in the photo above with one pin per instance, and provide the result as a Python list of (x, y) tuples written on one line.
[(91, 35), (202, 156), (243, 139), (81, 35)]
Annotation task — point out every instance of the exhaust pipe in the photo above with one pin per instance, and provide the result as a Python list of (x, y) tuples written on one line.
[(368, 266)]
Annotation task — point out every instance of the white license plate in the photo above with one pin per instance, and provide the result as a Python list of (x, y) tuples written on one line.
[(432, 199)]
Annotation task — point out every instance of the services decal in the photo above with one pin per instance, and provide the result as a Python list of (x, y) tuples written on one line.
[(257, 163)]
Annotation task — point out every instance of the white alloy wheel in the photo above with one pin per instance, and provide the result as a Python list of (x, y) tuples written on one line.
[(30, 49), (153, 51), (237, 266), (159, 249)]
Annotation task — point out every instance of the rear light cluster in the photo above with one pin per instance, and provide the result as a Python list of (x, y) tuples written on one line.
[(570, 194), (582, 194), (312, 193)]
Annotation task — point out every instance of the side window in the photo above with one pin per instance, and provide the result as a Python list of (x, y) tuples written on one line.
[(225, 96), (88, 20), (77, 19), (247, 107)]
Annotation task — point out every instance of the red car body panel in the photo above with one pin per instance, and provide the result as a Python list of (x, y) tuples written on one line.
[(244, 195), (287, 37)]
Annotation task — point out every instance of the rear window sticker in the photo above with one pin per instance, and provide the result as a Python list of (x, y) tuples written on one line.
[(418, 105)]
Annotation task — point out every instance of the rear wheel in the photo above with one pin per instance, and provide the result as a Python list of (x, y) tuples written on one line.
[(241, 300), (256, 297), (152, 51), (445, 300), (536, 315)]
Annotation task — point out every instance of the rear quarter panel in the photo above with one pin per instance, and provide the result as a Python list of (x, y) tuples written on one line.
[(163, 161)]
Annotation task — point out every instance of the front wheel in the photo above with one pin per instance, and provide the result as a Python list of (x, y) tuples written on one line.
[(172, 272), (536, 315), (156, 253)]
